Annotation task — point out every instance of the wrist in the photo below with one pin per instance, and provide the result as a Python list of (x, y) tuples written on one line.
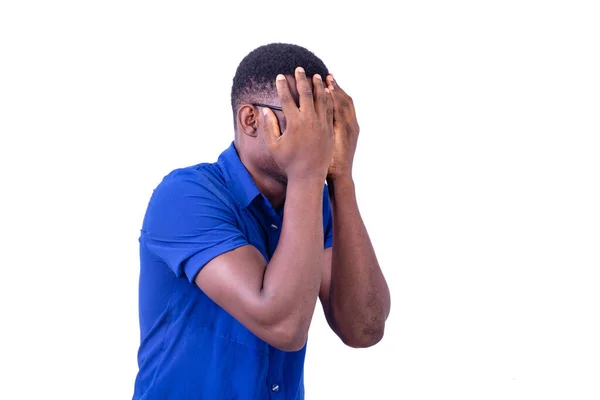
[(340, 179), (339, 183), (339, 172), (306, 181)]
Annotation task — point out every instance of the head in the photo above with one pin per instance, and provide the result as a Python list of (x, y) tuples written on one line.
[(254, 82)]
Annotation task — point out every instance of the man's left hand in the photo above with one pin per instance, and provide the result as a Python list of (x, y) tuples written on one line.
[(345, 132)]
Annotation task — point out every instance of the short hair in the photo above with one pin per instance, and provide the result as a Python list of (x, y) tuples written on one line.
[(255, 76)]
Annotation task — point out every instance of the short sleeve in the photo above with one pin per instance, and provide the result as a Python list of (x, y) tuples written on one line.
[(188, 223), (327, 219)]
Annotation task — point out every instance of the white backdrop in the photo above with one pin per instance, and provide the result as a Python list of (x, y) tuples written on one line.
[(477, 175)]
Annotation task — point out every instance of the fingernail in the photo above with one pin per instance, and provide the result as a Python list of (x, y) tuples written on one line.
[(264, 111), (332, 80), (318, 77), (300, 69), (280, 77)]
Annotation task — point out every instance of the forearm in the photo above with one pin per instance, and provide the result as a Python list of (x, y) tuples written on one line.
[(359, 298), (293, 276)]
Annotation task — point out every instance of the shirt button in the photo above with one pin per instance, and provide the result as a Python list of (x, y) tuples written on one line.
[(274, 226), (275, 388)]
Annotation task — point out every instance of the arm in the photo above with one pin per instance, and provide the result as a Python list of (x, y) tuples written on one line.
[(354, 293), (275, 301)]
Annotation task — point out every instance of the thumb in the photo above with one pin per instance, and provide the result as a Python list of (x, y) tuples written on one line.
[(270, 125)]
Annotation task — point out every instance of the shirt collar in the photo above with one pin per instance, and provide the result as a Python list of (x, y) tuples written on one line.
[(237, 177)]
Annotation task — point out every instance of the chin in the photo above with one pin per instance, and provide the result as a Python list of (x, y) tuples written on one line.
[(281, 178), (278, 174), (275, 173)]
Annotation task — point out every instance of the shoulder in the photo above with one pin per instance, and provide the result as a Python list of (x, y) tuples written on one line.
[(184, 192), (198, 176), (202, 180)]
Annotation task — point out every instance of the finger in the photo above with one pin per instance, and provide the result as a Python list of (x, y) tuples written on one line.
[(270, 125), (340, 92), (329, 80), (344, 106), (285, 96), (304, 90), (337, 110), (329, 109), (320, 95)]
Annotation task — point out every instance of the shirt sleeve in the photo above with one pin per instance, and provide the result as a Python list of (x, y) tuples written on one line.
[(327, 219), (187, 223)]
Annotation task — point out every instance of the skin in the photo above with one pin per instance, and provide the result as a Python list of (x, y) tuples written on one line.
[(354, 292), (289, 155)]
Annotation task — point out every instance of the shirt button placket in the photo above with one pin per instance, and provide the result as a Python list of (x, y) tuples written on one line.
[(275, 377), (275, 356), (274, 234)]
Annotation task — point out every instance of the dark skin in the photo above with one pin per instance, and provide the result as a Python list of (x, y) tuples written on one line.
[(289, 155), (354, 292)]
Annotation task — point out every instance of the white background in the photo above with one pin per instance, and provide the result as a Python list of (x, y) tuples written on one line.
[(477, 175)]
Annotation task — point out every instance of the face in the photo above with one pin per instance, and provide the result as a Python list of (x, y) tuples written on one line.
[(255, 146)]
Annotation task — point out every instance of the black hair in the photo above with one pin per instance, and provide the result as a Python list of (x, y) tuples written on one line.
[(255, 76)]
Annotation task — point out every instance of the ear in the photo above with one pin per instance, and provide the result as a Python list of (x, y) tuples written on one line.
[(248, 120)]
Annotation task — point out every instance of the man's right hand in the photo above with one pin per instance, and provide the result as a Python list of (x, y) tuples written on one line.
[(305, 149)]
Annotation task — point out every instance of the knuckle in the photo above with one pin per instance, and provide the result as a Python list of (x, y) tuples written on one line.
[(321, 98)]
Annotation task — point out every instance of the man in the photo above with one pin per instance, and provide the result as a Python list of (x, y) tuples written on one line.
[(234, 254)]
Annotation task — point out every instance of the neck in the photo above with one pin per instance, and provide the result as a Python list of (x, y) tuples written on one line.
[(273, 189)]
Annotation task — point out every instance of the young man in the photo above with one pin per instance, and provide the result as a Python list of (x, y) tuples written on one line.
[(234, 254)]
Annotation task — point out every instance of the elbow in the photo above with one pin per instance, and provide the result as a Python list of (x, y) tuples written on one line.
[(365, 336), (290, 346), (361, 332), (288, 338), (282, 329), (289, 342)]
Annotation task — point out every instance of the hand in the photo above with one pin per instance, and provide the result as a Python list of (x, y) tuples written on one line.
[(345, 132), (305, 149)]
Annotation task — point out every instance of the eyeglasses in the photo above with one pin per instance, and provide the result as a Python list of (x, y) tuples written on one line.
[(267, 106), (276, 108)]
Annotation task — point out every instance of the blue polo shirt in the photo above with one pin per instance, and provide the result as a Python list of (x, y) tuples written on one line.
[(190, 347)]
